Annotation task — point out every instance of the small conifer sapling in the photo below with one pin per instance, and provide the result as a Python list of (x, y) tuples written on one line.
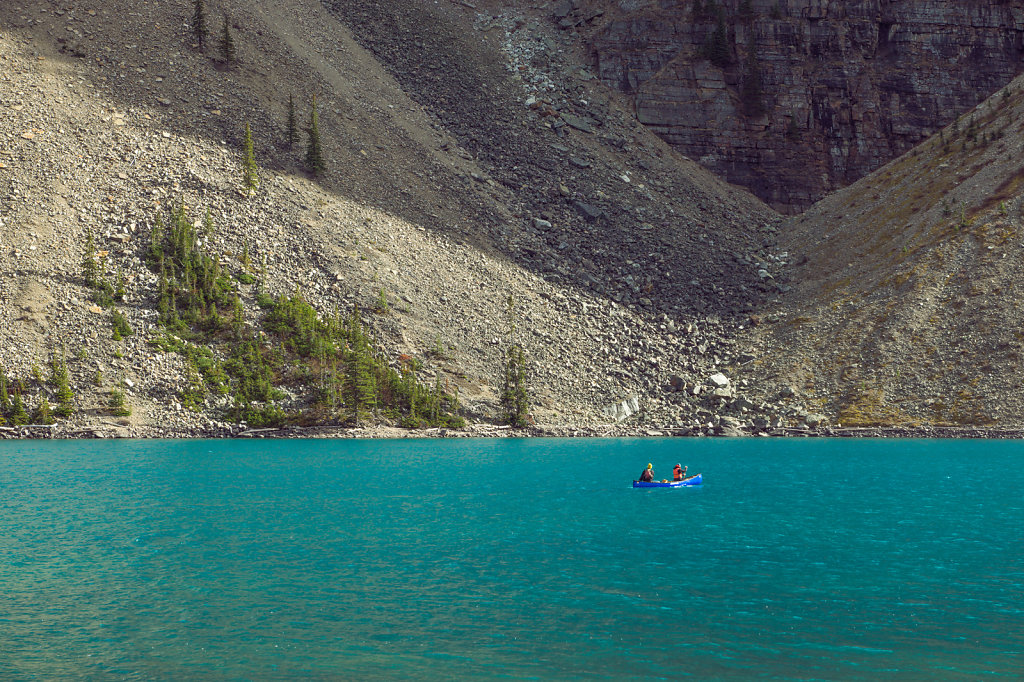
[(60, 381), (291, 133), (117, 404), (227, 45)]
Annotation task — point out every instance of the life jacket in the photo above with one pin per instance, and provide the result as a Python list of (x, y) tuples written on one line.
[(677, 474)]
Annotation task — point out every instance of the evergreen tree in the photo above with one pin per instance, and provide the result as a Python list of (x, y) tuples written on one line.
[(5, 399), (60, 381), (199, 23), (250, 171), (42, 414), (120, 289), (291, 133), (237, 317), (360, 383), (515, 401), (58, 370), (155, 254), (314, 154), (208, 223), (18, 415), (227, 45)]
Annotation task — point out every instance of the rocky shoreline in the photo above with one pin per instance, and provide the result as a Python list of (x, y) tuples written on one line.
[(118, 431)]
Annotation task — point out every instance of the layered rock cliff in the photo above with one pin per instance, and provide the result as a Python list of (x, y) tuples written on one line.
[(796, 98)]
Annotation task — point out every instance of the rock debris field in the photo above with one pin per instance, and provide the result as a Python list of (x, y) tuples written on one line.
[(471, 158)]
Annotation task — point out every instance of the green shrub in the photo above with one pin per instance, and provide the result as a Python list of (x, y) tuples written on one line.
[(120, 324), (117, 404)]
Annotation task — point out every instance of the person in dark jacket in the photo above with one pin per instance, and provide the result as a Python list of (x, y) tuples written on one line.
[(648, 475)]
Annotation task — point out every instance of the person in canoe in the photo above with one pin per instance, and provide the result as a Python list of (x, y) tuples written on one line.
[(648, 474), (679, 473)]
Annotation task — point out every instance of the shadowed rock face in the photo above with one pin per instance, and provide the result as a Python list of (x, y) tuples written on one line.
[(807, 95)]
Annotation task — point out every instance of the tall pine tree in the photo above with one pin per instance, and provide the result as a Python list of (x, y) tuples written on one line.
[(42, 414), (250, 171), (515, 401), (360, 383), (5, 399), (514, 398), (18, 415), (227, 44), (199, 29)]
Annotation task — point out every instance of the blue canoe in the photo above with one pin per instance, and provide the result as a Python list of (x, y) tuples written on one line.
[(692, 480)]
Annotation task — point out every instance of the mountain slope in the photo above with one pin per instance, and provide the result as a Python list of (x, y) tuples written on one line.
[(904, 300), (627, 264)]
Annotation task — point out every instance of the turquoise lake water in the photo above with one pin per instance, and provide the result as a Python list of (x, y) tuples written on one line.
[(512, 559)]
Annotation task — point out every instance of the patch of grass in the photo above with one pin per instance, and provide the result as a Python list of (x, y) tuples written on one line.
[(867, 407)]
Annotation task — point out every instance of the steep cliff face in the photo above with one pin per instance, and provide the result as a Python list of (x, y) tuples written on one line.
[(796, 98)]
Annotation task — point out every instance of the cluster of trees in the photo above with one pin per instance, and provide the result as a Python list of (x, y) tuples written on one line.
[(13, 394), (201, 33), (314, 158), (353, 378), (193, 291), (292, 345)]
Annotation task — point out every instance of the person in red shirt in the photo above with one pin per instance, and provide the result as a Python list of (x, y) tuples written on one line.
[(679, 473)]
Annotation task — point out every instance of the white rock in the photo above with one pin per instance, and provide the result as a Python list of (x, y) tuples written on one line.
[(718, 380)]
